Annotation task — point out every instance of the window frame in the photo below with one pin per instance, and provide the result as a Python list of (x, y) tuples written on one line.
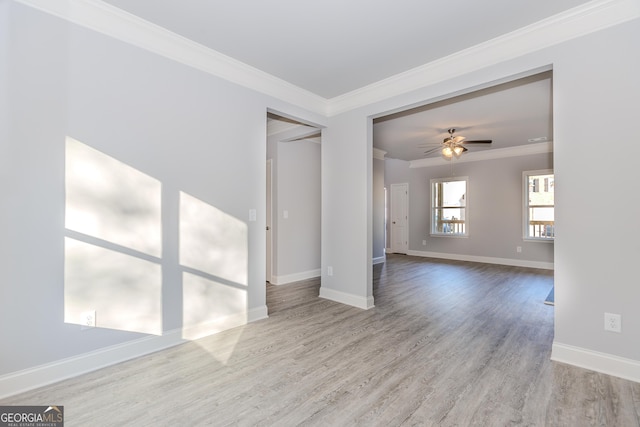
[(525, 203), (432, 208)]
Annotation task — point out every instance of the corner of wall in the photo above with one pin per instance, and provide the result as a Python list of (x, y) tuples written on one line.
[(357, 301)]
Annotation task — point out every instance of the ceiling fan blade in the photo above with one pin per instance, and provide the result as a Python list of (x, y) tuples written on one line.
[(478, 141), (433, 150)]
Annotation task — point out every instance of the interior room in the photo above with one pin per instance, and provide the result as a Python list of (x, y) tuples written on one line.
[(518, 118), (199, 206)]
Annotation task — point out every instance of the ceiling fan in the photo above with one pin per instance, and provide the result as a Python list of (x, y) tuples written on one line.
[(453, 145)]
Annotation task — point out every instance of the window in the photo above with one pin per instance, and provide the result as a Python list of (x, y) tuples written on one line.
[(449, 206), (538, 205)]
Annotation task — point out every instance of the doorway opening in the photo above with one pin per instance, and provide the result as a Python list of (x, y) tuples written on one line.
[(516, 114), (293, 200)]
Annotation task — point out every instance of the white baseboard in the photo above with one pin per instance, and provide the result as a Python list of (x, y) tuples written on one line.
[(364, 303), (257, 313), (379, 260), (295, 277), (483, 259), (609, 364), (39, 376), (31, 378)]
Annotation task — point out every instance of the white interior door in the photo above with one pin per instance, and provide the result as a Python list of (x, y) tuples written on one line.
[(269, 225), (399, 218)]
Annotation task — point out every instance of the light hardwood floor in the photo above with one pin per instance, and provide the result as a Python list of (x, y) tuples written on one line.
[(448, 344)]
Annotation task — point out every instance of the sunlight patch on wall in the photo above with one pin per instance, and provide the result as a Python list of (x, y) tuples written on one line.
[(113, 242), (113, 252), (214, 258), (124, 291), (112, 201), (212, 241), (210, 306)]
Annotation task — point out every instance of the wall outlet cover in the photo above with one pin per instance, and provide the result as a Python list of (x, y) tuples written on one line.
[(612, 322), (88, 319)]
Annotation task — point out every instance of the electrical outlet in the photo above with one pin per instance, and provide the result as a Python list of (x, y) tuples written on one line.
[(424, 243), (88, 319), (519, 249), (612, 322), (329, 271)]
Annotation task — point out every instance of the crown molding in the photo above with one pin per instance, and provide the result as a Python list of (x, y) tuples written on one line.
[(124, 26), (275, 127), (290, 132), (378, 153), (576, 22), (498, 153), (114, 22)]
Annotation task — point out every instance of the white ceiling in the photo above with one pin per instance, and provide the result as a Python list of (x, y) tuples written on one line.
[(509, 114), (333, 47)]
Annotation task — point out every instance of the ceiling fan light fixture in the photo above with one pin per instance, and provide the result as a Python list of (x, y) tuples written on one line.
[(453, 145), (451, 150)]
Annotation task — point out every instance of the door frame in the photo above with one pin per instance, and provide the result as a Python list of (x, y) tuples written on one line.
[(269, 221)]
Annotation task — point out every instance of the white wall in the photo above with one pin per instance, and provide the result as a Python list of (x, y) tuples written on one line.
[(199, 134), (296, 189), (346, 210), (4, 124), (192, 132), (595, 262), (495, 211), (298, 193), (594, 100), (4, 84)]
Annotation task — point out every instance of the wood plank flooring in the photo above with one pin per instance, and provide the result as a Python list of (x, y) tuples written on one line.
[(448, 344)]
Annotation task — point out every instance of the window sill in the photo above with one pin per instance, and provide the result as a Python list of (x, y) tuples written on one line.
[(457, 236), (538, 239)]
